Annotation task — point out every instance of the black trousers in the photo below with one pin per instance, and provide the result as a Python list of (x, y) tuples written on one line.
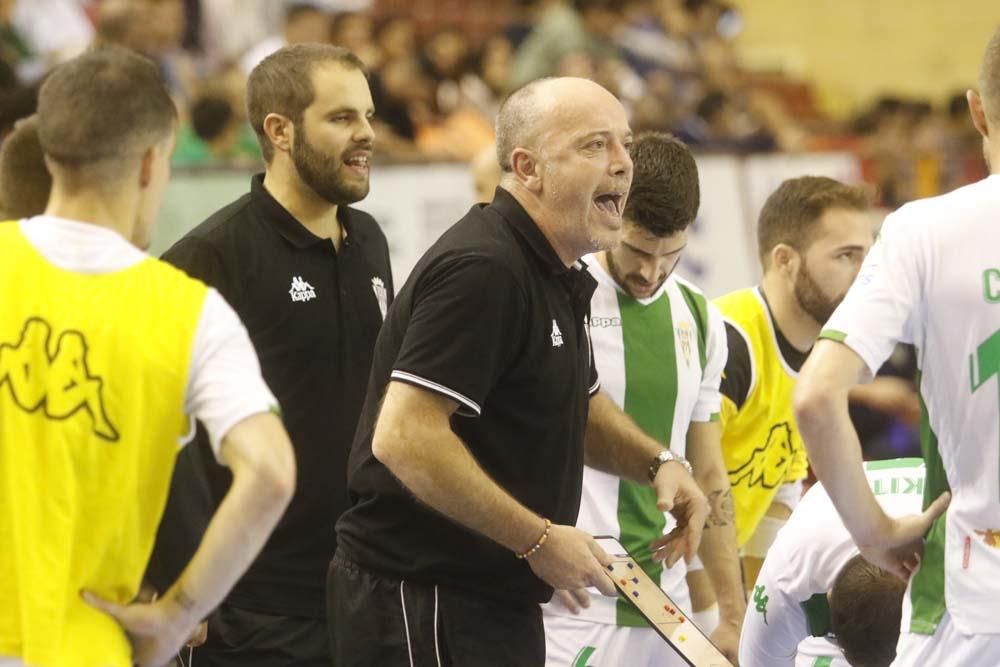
[(238, 637), (382, 622)]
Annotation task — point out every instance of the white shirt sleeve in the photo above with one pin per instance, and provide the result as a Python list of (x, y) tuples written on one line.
[(882, 304), (709, 401), (225, 385), (774, 623)]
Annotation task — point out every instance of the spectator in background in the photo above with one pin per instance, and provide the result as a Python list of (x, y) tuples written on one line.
[(303, 22), (565, 27), (53, 31), (355, 31), (721, 125), (396, 37), (217, 136)]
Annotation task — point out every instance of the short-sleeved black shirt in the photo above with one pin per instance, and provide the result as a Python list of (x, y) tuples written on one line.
[(491, 318), (313, 314)]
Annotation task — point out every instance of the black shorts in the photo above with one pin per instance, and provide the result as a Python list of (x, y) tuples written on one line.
[(239, 637), (381, 622)]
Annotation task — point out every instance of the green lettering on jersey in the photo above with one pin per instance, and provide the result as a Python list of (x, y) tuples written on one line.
[(991, 285), (760, 601)]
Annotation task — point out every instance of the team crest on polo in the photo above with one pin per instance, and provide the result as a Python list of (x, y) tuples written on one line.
[(54, 379), (381, 295), (685, 333)]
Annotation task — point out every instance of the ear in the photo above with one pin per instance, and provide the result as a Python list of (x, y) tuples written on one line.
[(785, 258), (280, 131), (525, 165), (146, 167), (977, 112)]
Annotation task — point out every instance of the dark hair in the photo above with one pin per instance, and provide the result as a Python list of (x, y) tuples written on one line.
[(791, 212), (25, 182), (209, 116), (865, 610), (710, 105), (665, 194), (109, 103), (989, 77), (282, 84), (958, 107)]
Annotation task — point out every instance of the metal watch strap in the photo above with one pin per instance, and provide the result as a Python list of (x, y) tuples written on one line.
[(666, 456)]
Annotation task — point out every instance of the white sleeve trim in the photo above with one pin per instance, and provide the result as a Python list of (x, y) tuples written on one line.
[(225, 385), (472, 408), (594, 388)]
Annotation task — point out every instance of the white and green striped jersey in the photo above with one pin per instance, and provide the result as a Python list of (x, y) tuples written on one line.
[(787, 616), (661, 360), (933, 280)]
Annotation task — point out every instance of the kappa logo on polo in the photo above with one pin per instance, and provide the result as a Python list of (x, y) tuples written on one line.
[(301, 290), (557, 339), (381, 295)]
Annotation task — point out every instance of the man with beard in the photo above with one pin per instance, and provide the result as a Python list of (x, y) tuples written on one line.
[(310, 278), (467, 465), (812, 235)]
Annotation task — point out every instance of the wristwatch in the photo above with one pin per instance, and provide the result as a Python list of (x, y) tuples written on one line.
[(666, 456)]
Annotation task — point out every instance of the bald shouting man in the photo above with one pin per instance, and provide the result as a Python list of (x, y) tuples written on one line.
[(465, 480)]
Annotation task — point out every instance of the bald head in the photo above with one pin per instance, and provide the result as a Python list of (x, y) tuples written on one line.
[(989, 78), (530, 111)]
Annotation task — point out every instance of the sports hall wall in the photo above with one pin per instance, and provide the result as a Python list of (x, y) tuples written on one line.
[(918, 48), (414, 204)]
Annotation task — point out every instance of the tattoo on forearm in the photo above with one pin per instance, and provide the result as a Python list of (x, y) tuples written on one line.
[(721, 509)]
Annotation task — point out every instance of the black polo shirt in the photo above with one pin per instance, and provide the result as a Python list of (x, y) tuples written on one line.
[(313, 314), (491, 318)]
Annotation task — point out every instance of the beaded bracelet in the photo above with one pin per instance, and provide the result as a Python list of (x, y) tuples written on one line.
[(539, 543)]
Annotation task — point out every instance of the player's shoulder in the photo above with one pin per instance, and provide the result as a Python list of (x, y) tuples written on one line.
[(945, 213)]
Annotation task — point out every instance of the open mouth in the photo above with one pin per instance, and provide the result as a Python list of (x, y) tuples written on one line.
[(611, 203), (358, 162)]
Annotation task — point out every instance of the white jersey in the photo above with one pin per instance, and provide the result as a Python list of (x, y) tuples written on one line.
[(787, 615), (660, 359), (933, 280)]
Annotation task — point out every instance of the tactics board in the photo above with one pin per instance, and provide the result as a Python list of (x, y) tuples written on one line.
[(659, 610)]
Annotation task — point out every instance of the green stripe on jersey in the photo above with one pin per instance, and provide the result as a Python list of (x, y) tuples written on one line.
[(927, 590), (698, 306), (650, 399), (889, 464), (823, 662), (833, 334)]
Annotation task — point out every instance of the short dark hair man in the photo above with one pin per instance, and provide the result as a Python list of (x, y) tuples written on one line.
[(467, 465), (104, 352), (311, 279)]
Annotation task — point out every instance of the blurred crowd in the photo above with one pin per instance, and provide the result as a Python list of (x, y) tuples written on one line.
[(439, 69)]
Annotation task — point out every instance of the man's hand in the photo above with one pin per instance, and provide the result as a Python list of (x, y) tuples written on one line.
[(575, 600), (900, 550), (726, 638), (571, 559), (677, 493), (153, 628)]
